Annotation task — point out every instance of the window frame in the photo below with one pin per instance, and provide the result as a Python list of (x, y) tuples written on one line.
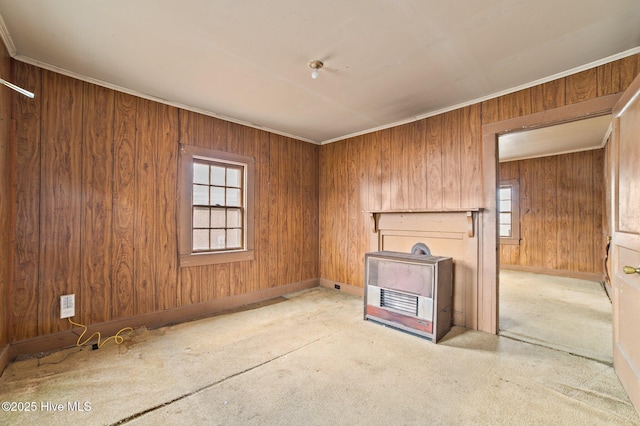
[(187, 256), (514, 239)]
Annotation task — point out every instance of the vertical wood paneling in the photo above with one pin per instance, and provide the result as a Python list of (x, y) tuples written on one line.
[(353, 182), (124, 154), (96, 216), (490, 111), (264, 252), (629, 69), (7, 195), (237, 270), (145, 260), (598, 224), (401, 172), (60, 198), (276, 221), (608, 76), (387, 188), (397, 168), (526, 218), (297, 226), (97, 210), (285, 211), (374, 168), (190, 282), (418, 166), (341, 214), (470, 157), (515, 104), (451, 160), (434, 163), (561, 207), (550, 181), (548, 95), (564, 212), (26, 257), (537, 211), (166, 242), (583, 213), (326, 203), (309, 219), (581, 86), (250, 149)]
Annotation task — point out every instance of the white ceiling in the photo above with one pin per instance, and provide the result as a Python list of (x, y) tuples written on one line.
[(583, 135), (386, 62)]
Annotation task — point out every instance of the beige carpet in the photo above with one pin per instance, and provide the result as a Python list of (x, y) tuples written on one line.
[(567, 314), (312, 360)]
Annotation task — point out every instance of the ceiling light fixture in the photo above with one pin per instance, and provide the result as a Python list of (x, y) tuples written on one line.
[(315, 66)]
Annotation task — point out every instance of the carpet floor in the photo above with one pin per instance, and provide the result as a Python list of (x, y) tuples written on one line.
[(312, 360)]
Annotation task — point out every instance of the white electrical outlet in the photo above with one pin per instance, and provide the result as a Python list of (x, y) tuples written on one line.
[(67, 305)]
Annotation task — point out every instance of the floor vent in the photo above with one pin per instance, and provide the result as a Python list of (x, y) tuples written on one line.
[(402, 302)]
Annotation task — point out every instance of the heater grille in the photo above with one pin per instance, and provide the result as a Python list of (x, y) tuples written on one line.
[(399, 301)]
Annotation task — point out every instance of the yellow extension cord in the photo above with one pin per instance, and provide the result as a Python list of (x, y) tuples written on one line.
[(117, 338)]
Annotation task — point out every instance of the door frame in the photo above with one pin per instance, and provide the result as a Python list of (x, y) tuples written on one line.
[(489, 254)]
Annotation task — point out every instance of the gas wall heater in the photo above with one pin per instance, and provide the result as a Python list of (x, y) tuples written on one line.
[(410, 292)]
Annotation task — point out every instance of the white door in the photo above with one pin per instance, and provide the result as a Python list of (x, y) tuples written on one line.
[(625, 244)]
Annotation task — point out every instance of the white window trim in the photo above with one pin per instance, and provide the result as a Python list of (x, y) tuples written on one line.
[(514, 239)]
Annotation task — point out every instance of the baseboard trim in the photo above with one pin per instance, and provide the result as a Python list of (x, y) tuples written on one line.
[(68, 338), (556, 272), (346, 288)]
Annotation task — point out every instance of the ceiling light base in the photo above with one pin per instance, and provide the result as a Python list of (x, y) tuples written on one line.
[(315, 66)]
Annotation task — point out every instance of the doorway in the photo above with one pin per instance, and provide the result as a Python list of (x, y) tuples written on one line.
[(550, 222)]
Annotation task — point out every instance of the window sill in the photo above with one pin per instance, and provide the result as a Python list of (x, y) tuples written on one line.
[(510, 241), (200, 259)]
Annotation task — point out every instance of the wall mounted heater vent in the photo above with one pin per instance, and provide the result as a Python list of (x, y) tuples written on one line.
[(411, 292), (401, 302)]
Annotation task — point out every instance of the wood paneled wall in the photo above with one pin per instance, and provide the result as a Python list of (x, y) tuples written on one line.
[(96, 206), (6, 208), (561, 213), (430, 164)]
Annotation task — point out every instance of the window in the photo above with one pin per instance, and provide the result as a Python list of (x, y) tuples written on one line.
[(509, 212), (215, 207)]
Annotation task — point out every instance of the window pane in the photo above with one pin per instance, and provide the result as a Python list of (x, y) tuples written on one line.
[(233, 177), (200, 195), (505, 218), (200, 239), (234, 238), (200, 217), (505, 205), (505, 193), (218, 239), (505, 230), (233, 197), (217, 218), (217, 175), (234, 218), (217, 196), (201, 173)]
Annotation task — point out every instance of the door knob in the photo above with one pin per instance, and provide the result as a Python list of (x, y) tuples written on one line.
[(630, 270)]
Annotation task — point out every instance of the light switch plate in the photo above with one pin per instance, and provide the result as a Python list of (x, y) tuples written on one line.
[(67, 305)]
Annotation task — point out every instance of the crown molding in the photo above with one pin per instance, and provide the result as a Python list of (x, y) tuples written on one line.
[(6, 38)]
